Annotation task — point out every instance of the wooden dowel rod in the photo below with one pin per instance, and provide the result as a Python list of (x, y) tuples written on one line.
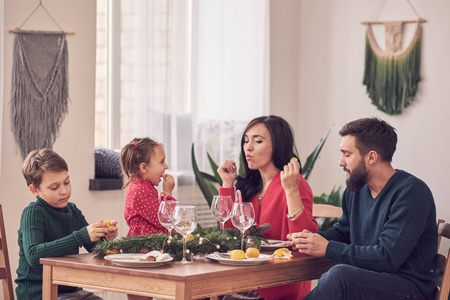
[(382, 22), (40, 31)]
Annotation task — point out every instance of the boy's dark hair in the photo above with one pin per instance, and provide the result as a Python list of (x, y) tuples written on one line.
[(372, 134), (133, 154), (39, 161), (283, 149)]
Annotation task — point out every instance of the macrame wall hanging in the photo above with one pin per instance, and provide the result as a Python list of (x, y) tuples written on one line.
[(392, 76), (39, 88)]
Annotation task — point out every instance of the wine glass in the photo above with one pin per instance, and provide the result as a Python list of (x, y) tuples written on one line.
[(221, 207), (185, 223), (165, 214), (242, 217)]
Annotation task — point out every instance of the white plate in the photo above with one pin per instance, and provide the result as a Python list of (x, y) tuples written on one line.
[(237, 262), (132, 260), (273, 244)]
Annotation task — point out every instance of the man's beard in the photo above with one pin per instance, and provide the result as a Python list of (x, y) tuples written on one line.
[(357, 178)]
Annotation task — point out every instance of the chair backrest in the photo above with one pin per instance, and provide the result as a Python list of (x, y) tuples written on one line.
[(5, 269), (443, 262), (326, 211)]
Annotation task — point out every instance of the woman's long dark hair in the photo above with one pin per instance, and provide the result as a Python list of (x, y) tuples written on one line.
[(283, 149)]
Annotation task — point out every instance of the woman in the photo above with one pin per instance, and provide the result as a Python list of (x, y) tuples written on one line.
[(280, 195)]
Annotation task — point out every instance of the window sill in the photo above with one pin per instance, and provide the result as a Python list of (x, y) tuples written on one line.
[(105, 184)]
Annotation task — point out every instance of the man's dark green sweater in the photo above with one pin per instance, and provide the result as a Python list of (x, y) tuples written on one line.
[(396, 232), (46, 231)]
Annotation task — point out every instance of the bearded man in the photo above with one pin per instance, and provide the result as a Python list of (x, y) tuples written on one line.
[(386, 239)]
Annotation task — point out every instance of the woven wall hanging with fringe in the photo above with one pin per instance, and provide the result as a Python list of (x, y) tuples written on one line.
[(39, 89), (392, 76)]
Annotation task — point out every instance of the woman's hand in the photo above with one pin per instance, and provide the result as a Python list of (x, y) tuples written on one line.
[(290, 177), (228, 173), (168, 184)]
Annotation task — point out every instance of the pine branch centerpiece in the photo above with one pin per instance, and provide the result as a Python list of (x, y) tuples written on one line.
[(201, 242)]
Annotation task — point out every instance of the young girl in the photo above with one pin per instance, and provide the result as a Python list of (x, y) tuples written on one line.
[(143, 162)]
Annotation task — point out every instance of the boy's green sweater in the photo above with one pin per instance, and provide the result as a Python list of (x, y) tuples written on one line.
[(47, 231)]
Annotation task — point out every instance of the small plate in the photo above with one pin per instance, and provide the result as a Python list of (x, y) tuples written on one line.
[(132, 260), (273, 244), (236, 262)]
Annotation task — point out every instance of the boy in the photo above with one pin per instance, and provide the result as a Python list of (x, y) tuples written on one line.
[(52, 226)]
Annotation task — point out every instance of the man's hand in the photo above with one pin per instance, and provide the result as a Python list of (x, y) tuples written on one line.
[(309, 243)]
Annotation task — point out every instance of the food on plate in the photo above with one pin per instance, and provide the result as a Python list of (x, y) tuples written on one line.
[(252, 253), (238, 254), (113, 251), (154, 256), (283, 253), (147, 257)]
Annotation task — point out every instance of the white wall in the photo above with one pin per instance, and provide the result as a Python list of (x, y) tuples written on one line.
[(76, 141), (317, 56), (331, 66)]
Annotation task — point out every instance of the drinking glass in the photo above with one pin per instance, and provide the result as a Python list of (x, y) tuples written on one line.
[(185, 223), (165, 214), (242, 217), (221, 207)]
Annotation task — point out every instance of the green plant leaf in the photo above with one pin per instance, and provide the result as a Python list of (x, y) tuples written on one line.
[(206, 187), (213, 191), (241, 165), (311, 160), (214, 168), (208, 176)]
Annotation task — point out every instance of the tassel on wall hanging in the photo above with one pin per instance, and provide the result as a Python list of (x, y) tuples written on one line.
[(39, 88), (392, 76)]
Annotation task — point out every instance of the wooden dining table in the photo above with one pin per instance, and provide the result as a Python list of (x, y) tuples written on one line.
[(200, 279)]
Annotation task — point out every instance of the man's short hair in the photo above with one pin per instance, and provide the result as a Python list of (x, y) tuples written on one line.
[(39, 161), (372, 134)]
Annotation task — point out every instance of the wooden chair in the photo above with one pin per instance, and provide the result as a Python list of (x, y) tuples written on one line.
[(326, 211), (5, 269), (443, 262)]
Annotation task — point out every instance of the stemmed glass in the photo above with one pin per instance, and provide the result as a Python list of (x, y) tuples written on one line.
[(221, 207), (243, 216), (165, 214), (185, 223)]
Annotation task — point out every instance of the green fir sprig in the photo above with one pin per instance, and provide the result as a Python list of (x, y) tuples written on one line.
[(203, 241)]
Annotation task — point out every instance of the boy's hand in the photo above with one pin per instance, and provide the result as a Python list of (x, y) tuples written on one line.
[(168, 184), (98, 230), (111, 226)]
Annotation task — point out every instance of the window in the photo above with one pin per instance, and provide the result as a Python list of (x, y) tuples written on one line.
[(179, 72)]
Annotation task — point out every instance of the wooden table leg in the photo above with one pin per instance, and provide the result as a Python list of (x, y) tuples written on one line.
[(49, 290), (183, 291)]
